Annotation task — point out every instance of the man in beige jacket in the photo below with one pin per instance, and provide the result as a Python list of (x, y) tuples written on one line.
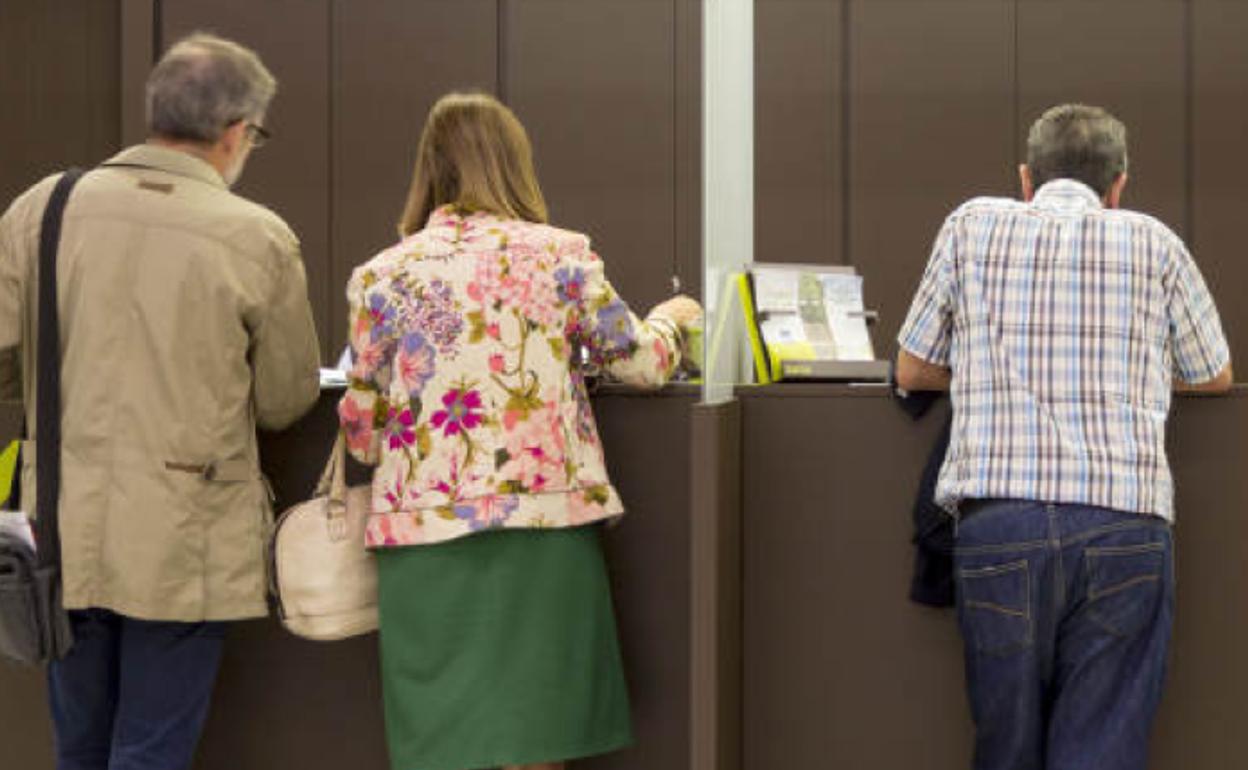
[(185, 323)]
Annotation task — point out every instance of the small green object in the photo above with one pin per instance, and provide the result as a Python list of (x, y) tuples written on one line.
[(8, 467)]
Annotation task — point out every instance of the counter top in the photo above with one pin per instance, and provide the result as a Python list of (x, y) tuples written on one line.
[(880, 390), (621, 390), (11, 411)]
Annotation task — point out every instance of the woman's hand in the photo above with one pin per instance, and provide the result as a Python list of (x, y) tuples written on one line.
[(681, 309)]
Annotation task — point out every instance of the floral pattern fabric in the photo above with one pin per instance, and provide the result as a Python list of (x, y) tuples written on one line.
[(471, 339)]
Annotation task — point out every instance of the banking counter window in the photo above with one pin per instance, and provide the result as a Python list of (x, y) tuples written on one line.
[(797, 313), (838, 183), (963, 187)]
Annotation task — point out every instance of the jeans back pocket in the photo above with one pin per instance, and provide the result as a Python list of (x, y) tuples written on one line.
[(1125, 585), (994, 606)]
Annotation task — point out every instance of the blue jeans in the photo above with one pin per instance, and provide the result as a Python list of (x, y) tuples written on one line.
[(132, 694), (1065, 613)]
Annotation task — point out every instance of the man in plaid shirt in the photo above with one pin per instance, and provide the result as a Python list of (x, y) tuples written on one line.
[(1059, 325)]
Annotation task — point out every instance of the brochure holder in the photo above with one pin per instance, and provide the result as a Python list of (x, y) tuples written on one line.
[(808, 322)]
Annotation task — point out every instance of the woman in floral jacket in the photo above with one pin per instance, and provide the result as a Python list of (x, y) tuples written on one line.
[(470, 337)]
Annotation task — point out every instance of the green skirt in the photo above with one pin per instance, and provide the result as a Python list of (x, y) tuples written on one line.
[(498, 649)]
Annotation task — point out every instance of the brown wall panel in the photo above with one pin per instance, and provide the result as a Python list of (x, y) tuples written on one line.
[(25, 724), (648, 557), (1219, 125), (715, 606), (1200, 725), (392, 60), (1129, 57), (25, 728), (282, 702), (689, 145), (931, 125), (138, 49), (798, 139), (60, 88), (841, 671), (291, 173), (594, 84)]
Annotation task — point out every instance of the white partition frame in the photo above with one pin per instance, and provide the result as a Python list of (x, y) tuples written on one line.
[(727, 185)]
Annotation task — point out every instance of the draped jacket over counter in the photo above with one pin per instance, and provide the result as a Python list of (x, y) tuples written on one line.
[(470, 338)]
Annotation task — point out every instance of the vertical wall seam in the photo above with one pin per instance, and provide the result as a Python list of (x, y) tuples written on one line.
[(1189, 120), (158, 23), (846, 135), (1016, 78), (500, 49), (693, 137), (677, 136), (332, 273)]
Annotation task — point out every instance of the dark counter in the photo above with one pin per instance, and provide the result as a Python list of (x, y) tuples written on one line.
[(760, 581), (842, 671), (283, 702)]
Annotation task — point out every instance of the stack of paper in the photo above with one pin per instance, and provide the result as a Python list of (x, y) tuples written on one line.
[(811, 313)]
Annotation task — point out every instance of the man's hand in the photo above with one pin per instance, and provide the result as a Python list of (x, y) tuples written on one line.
[(913, 373)]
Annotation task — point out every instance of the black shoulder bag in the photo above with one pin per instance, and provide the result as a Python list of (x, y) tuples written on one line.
[(34, 627)]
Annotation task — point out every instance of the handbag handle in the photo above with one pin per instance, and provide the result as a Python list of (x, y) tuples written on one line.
[(333, 483)]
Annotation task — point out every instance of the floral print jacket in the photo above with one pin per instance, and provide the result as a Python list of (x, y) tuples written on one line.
[(470, 339)]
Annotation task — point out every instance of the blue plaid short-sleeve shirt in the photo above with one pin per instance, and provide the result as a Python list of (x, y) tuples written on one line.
[(1063, 323)]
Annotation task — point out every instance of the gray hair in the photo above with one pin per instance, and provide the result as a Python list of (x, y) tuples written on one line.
[(1075, 141), (203, 84)]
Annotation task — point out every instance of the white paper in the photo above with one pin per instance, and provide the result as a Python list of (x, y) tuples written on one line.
[(821, 309), (782, 328), (775, 291), (333, 378), (16, 523), (842, 297)]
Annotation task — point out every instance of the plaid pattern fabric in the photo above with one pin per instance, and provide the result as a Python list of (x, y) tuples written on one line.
[(1063, 323)]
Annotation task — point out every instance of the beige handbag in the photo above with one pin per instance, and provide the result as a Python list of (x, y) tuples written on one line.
[(324, 578)]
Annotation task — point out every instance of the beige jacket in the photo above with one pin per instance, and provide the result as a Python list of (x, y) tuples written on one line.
[(184, 322)]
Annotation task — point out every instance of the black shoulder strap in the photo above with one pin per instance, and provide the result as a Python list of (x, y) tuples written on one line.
[(48, 380)]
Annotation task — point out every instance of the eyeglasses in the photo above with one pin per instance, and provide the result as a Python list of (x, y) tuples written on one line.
[(259, 135)]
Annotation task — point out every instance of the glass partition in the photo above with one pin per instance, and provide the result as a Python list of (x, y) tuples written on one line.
[(728, 187)]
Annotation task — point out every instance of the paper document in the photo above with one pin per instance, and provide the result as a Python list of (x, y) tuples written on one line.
[(811, 313), (784, 329), (775, 290), (333, 378), (15, 523), (842, 297)]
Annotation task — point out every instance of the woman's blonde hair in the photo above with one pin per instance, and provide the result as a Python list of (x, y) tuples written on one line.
[(474, 154)]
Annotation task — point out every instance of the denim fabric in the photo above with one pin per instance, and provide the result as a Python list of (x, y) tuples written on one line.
[(132, 694), (1065, 613)]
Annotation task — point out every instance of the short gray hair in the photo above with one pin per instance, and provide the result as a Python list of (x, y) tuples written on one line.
[(203, 84), (1075, 141)]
